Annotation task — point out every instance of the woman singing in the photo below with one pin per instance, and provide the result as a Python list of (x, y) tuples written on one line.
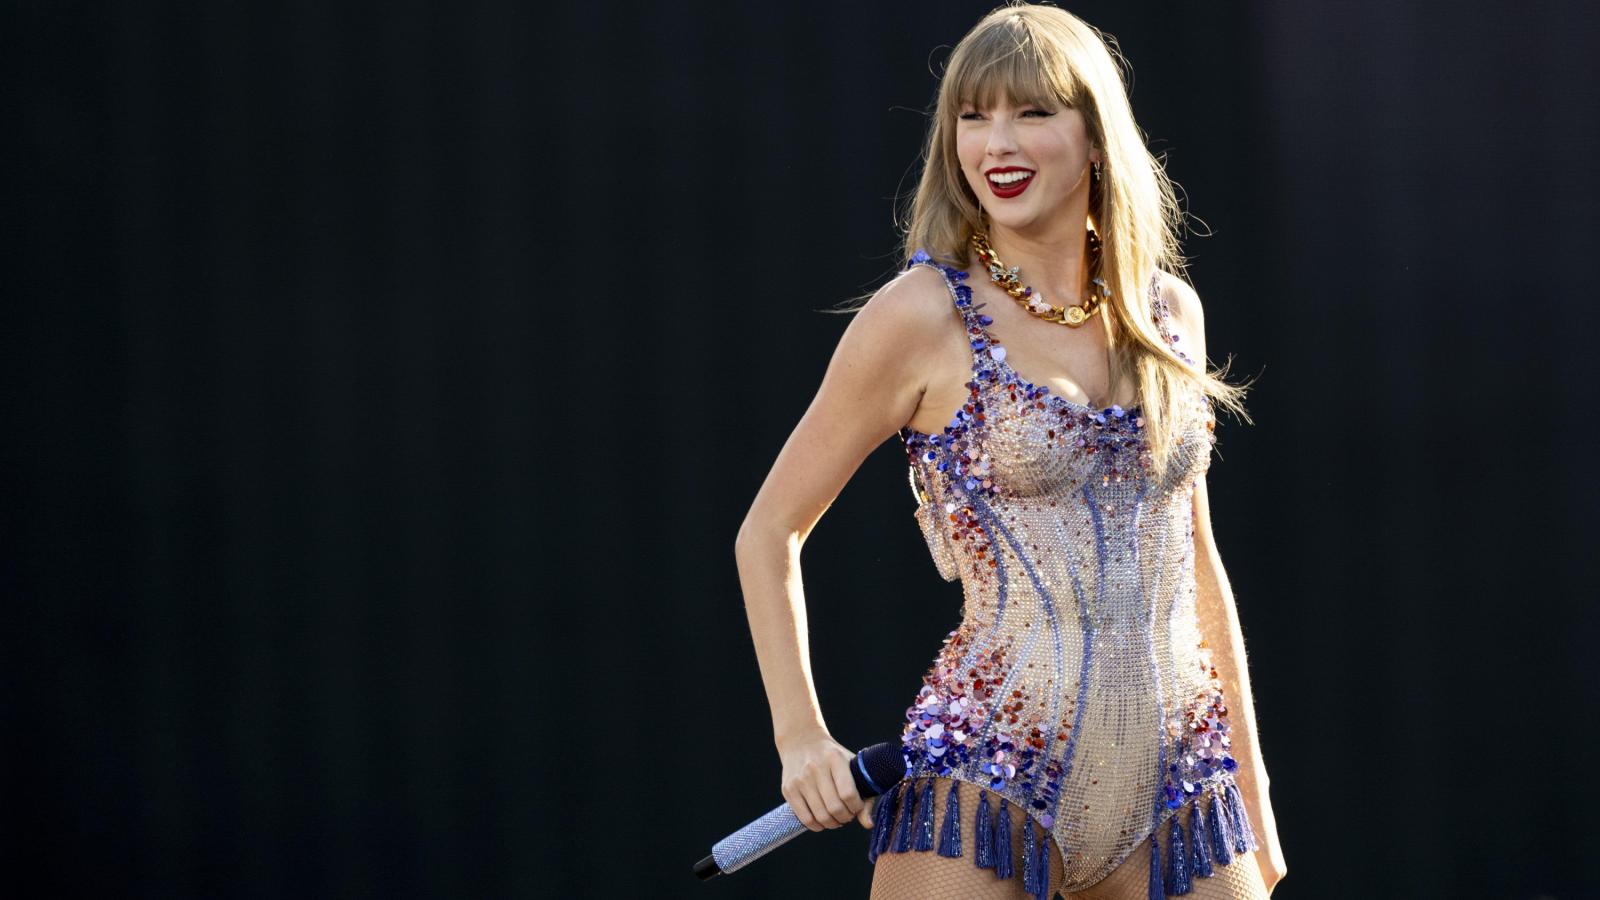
[(1087, 728)]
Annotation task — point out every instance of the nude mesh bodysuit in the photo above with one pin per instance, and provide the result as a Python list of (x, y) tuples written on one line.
[(1075, 687)]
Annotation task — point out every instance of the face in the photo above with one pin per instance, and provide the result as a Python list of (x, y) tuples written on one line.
[(1027, 164)]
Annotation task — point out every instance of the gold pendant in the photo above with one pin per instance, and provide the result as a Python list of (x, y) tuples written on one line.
[(1075, 315)]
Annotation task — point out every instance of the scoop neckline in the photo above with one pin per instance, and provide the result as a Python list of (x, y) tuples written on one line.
[(1052, 395), (962, 295)]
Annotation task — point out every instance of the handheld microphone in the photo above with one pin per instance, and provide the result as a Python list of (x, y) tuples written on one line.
[(876, 769)]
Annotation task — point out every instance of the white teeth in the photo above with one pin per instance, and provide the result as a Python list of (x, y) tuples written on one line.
[(1009, 177)]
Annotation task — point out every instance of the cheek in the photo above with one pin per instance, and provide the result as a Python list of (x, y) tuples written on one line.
[(969, 150), (1049, 146)]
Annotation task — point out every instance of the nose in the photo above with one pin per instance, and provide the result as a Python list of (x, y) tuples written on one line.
[(1001, 139)]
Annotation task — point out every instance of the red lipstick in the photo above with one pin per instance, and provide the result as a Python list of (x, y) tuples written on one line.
[(1012, 189)]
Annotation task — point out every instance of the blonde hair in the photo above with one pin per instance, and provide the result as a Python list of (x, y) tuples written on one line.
[(1044, 55)]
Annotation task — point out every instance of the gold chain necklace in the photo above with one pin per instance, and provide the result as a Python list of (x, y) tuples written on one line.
[(1034, 302)]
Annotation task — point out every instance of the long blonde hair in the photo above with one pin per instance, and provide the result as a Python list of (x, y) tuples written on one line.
[(1044, 55)]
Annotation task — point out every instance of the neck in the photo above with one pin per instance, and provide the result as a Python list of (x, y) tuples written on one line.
[(1053, 263)]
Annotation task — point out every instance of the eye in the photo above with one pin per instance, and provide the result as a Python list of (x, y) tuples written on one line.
[(1042, 113), (970, 116)]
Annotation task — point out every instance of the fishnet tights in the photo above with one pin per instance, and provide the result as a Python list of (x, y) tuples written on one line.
[(926, 875)]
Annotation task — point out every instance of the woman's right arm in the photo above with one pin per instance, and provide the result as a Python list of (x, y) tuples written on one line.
[(872, 387)]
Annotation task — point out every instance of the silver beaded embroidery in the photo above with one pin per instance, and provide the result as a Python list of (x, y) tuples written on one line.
[(1075, 684)]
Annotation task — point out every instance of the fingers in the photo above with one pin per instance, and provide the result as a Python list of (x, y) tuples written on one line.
[(867, 811), (820, 788), (849, 798), (816, 810), (834, 812), (825, 795), (793, 790)]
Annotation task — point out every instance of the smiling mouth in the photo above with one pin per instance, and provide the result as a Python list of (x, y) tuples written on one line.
[(1009, 179), (1009, 184)]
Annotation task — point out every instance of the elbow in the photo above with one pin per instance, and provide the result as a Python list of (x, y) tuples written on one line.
[(756, 532), (748, 535)]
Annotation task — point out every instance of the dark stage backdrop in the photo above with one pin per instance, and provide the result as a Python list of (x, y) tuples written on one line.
[(384, 385)]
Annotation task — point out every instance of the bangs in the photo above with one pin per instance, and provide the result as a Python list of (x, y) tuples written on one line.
[(1008, 61)]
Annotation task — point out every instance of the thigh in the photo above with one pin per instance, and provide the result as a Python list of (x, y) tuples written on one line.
[(1238, 880), (929, 876), (925, 875)]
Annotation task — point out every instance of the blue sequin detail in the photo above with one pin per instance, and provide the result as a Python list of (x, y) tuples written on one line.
[(980, 481)]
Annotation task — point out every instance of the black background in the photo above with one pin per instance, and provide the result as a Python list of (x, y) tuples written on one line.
[(384, 385)]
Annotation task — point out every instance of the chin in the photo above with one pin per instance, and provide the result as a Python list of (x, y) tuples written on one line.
[(1018, 220)]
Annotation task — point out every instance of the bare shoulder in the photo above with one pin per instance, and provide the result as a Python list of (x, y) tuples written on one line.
[(1182, 299), (904, 320), (915, 302), (1188, 314), (890, 338)]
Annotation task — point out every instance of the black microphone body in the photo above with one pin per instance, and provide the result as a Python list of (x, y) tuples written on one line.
[(875, 770)]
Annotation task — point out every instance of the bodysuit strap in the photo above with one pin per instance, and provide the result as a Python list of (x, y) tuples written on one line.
[(984, 346), (1161, 315), (954, 279), (985, 349)]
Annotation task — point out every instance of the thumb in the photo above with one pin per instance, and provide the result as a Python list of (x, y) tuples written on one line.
[(865, 816)]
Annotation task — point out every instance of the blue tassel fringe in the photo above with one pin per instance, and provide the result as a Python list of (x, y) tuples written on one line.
[(897, 810), (877, 828), (925, 817), (1030, 861), (992, 833), (1244, 836), (950, 840), (983, 854), (1041, 878), (1157, 889), (882, 817), (1221, 837), (1002, 842), (902, 837), (1215, 833), (1177, 859), (1199, 860)]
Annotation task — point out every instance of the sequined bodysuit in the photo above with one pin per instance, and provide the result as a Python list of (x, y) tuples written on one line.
[(1075, 686)]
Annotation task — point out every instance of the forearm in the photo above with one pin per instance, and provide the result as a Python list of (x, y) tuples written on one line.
[(774, 602), (1219, 626)]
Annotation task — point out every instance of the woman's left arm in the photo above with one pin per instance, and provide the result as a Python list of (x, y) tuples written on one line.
[(1219, 627)]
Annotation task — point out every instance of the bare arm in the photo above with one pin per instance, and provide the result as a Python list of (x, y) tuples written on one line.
[(872, 387), (1219, 626)]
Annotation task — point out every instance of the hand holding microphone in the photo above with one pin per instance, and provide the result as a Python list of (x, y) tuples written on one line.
[(823, 787), (818, 785)]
